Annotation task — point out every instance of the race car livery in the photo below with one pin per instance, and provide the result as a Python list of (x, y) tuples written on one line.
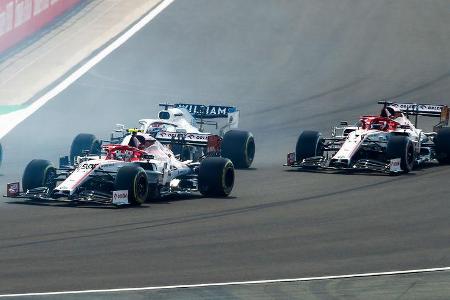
[(124, 175), (389, 142), (183, 127)]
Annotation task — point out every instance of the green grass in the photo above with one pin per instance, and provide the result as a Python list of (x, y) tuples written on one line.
[(4, 109)]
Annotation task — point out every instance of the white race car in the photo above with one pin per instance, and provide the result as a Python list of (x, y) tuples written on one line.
[(388, 143), (124, 175), (183, 127)]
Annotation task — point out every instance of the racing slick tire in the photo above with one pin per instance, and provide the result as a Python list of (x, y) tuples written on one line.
[(239, 147), (134, 179), (400, 146), (83, 142), (442, 143), (309, 144), (39, 173), (216, 177)]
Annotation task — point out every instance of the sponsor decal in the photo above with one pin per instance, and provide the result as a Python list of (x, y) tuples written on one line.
[(394, 165), (120, 197), (13, 189), (156, 125), (423, 108), (186, 136), (87, 166), (207, 111)]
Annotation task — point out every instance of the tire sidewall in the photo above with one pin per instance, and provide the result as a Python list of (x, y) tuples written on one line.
[(129, 177), (308, 144), (216, 177), (84, 141), (36, 174), (442, 144), (239, 147), (401, 147)]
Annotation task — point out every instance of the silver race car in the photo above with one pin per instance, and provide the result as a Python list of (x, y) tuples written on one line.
[(389, 142), (184, 128)]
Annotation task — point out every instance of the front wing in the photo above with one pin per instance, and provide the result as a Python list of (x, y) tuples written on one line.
[(116, 198), (362, 165)]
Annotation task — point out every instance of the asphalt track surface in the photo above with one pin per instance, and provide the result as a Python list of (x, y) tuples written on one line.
[(288, 65)]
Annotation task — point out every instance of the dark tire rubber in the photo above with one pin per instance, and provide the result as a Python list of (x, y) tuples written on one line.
[(400, 146), (154, 193), (442, 142), (216, 177), (83, 142), (239, 146), (309, 144), (134, 179), (38, 173)]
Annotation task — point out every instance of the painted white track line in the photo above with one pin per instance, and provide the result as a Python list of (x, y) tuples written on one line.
[(169, 287), (11, 120)]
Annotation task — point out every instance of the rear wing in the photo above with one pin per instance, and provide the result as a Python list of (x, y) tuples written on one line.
[(427, 110), (194, 139), (204, 111), (203, 114)]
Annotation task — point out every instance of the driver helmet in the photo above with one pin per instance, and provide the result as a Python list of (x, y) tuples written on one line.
[(394, 112), (149, 141), (134, 141)]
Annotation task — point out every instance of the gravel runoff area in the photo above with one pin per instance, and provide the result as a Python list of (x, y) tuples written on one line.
[(59, 47)]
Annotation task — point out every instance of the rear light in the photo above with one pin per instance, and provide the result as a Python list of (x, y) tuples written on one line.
[(13, 189), (214, 142), (291, 158)]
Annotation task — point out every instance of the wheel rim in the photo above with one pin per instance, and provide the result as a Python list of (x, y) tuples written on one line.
[(228, 180), (410, 155), (141, 187), (250, 151)]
